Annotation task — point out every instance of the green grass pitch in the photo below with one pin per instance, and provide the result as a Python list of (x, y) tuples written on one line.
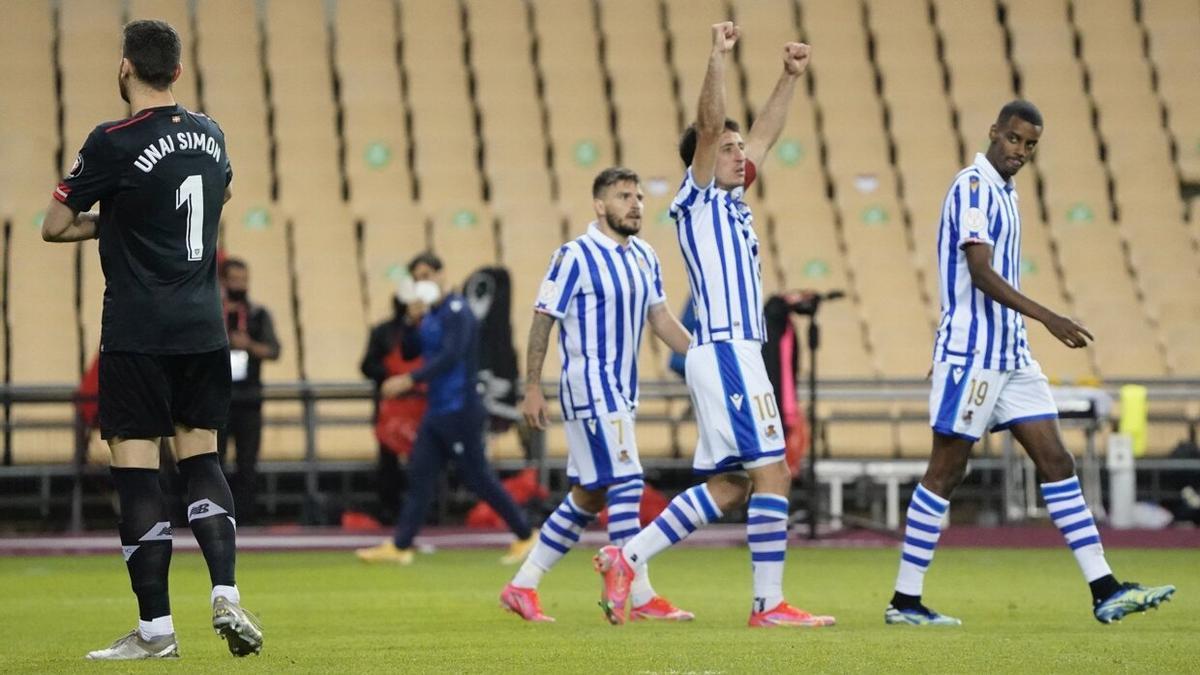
[(1024, 611)]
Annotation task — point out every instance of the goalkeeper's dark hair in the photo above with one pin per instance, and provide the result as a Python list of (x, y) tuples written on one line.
[(153, 47)]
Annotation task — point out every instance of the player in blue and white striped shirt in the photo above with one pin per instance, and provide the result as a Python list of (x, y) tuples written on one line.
[(737, 416), (603, 288), (984, 377)]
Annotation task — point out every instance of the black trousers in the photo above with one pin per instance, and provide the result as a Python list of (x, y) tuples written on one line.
[(245, 429), (390, 484), (458, 438)]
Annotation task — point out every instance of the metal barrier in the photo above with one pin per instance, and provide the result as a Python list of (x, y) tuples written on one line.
[(309, 394)]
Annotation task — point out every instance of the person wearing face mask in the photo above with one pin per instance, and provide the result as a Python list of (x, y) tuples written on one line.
[(446, 338), (251, 341), (396, 418)]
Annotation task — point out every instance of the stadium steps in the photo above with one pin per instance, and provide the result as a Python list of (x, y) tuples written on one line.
[(922, 142), (1126, 118), (444, 130), (579, 113), (1078, 188), (374, 131), (1170, 27), (806, 183), (873, 226), (506, 96)]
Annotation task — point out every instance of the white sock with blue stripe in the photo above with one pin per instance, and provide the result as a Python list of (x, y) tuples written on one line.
[(1072, 517), (558, 534), (924, 525), (687, 512), (624, 508), (766, 533)]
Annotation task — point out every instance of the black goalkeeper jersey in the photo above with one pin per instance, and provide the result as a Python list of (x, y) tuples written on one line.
[(160, 177)]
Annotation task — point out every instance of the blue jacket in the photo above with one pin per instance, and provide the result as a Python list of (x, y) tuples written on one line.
[(447, 341)]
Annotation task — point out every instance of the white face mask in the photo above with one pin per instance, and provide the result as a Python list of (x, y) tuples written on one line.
[(426, 292), (410, 291)]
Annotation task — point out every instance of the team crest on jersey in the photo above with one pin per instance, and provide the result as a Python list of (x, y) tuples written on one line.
[(76, 168), (624, 457), (644, 264), (547, 292)]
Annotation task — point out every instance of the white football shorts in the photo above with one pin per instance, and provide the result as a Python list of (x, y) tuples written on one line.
[(737, 416), (967, 401), (602, 450)]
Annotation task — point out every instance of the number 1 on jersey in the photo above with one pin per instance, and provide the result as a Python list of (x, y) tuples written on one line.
[(191, 192)]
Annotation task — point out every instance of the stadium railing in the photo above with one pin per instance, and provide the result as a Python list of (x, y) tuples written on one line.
[(891, 395)]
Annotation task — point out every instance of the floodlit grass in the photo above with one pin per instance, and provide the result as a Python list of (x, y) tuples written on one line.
[(1024, 611)]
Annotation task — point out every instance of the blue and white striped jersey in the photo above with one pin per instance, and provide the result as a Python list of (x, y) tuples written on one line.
[(600, 292), (981, 208), (720, 249)]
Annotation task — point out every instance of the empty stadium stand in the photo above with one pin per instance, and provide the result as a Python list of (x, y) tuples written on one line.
[(364, 131)]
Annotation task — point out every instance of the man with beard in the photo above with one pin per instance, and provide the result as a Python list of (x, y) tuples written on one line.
[(161, 177), (602, 289)]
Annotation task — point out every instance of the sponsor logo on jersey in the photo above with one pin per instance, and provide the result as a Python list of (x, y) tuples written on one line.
[(624, 457), (771, 433), (547, 292), (591, 425), (736, 400), (957, 374), (968, 416), (974, 184)]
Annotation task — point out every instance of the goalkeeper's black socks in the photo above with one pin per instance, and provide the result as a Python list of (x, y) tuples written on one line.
[(211, 516), (145, 539)]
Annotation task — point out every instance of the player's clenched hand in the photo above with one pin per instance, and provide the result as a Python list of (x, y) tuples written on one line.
[(795, 57), (1070, 332), (534, 407), (725, 36)]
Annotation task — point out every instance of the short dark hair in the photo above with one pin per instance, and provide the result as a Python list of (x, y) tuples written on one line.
[(232, 264), (687, 142), (611, 176), (1022, 109), (153, 47), (426, 258)]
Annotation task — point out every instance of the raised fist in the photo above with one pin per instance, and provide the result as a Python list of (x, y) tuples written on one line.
[(725, 36), (795, 57)]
